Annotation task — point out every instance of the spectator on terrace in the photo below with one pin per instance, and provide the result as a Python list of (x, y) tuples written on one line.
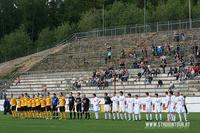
[(171, 86), (123, 55), (163, 65), (170, 72), (139, 76), (157, 71), (160, 83), (153, 50), (125, 75), (122, 65), (77, 85), (18, 80), (108, 54)]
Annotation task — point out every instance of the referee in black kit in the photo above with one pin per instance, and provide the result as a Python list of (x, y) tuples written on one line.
[(79, 105), (86, 107), (71, 105)]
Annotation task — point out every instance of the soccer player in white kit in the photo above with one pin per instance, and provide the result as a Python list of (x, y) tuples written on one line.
[(180, 109), (158, 107), (96, 103), (130, 102), (148, 103), (122, 105), (137, 107), (115, 107), (172, 106), (167, 102)]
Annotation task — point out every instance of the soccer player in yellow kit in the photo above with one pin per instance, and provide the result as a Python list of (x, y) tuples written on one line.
[(62, 106), (43, 106), (13, 102), (29, 106), (22, 106), (48, 106), (37, 105), (18, 107), (33, 107)]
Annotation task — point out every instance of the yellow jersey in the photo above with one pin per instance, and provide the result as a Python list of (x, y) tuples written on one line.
[(43, 102), (61, 101), (13, 101), (25, 101), (22, 101), (48, 101), (18, 103), (29, 104), (33, 104), (37, 101)]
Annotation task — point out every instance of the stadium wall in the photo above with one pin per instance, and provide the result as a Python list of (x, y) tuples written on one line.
[(192, 103)]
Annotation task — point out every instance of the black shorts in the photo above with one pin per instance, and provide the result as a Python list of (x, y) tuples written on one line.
[(42, 109), (86, 108), (33, 108), (18, 109), (25, 108), (48, 108), (22, 108), (71, 107), (38, 108), (55, 108), (13, 108), (78, 108), (29, 108), (62, 109)]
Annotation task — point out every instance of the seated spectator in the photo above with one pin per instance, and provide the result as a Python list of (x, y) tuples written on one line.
[(139, 75), (171, 86), (160, 83), (125, 75), (77, 85), (123, 55), (170, 71), (157, 71)]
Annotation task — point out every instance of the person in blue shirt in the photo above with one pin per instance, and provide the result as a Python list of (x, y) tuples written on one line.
[(55, 103)]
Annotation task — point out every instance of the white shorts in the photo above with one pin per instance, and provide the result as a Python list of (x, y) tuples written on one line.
[(122, 108), (171, 109), (115, 108), (106, 107), (180, 109), (148, 109), (130, 110), (136, 110), (158, 109), (95, 108)]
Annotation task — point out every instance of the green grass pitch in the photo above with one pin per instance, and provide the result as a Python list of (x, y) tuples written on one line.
[(9, 125)]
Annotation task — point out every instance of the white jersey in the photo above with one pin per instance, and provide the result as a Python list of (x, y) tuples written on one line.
[(179, 101), (115, 101), (122, 103), (158, 104), (130, 102), (137, 104), (172, 103), (96, 103), (148, 103)]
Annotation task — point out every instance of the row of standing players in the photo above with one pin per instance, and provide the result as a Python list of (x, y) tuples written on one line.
[(115, 107)]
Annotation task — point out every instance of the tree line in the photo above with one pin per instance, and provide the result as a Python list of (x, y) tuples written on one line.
[(28, 26)]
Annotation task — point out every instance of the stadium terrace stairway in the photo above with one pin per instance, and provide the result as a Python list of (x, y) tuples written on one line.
[(63, 82), (89, 54)]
